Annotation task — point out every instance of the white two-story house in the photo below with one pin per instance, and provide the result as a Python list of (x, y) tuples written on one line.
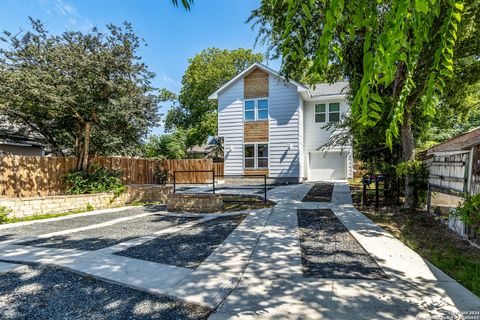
[(276, 127)]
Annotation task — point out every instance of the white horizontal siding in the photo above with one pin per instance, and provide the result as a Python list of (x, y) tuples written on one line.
[(316, 136), (230, 126), (301, 145), (284, 122)]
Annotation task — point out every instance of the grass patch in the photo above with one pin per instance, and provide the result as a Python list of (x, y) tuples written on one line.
[(44, 216), (244, 202), (432, 240)]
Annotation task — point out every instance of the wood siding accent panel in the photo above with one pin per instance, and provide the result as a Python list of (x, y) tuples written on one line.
[(256, 84), (251, 172), (256, 131)]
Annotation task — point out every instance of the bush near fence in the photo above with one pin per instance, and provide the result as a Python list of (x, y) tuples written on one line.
[(23, 176)]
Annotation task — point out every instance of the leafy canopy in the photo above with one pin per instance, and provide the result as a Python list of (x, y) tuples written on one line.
[(79, 91), (166, 146), (406, 52)]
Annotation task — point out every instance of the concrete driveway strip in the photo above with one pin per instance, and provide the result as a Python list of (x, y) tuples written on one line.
[(273, 286)]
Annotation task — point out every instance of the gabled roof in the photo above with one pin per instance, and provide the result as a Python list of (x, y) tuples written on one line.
[(327, 89), (320, 90), (214, 96)]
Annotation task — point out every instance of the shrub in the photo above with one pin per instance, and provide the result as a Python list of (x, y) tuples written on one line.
[(419, 173), (4, 212), (160, 176), (469, 212), (96, 180)]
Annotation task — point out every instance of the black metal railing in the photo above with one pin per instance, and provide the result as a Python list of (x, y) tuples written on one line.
[(262, 177)]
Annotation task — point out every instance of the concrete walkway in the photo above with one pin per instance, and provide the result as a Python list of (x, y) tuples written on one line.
[(257, 271)]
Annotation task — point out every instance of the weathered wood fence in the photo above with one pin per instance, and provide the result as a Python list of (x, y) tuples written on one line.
[(42, 176)]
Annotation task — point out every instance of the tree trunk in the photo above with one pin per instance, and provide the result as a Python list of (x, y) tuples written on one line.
[(408, 150), (86, 147)]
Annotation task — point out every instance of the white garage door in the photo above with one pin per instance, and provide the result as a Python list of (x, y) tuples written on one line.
[(327, 166)]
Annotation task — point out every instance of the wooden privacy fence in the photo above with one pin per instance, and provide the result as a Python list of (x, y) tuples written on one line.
[(41, 176)]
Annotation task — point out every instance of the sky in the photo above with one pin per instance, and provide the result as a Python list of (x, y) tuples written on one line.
[(173, 35)]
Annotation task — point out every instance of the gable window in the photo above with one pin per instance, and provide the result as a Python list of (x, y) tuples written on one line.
[(262, 109), (256, 110), (255, 156), (249, 110), (334, 112), (320, 115)]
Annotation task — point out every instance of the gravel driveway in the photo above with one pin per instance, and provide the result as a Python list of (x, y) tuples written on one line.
[(43, 227), (46, 292), (330, 251), (99, 238), (187, 248)]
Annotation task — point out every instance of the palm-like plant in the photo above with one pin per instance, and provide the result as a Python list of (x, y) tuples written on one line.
[(186, 3)]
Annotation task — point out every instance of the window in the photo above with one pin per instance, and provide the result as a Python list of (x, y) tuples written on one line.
[(334, 112), (320, 112), (262, 109), (256, 156), (262, 155), (256, 110), (249, 156), (249, 110)]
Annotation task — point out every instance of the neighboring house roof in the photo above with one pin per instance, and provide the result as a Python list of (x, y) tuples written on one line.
[(15, 135), (201, 149), (317, 91), (204, 149), (461, 142)]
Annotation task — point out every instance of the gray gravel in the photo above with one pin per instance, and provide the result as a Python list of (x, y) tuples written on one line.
[(99, 238), (44, 292), (189, 247), (330, 251), (40, 227), (320, 192)]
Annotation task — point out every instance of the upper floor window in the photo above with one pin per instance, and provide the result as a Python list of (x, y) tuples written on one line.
[(256, 110), (320, 112), (333, 112)]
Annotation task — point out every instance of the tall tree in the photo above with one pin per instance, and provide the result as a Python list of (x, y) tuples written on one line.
[(166, 146), (206, 72), (85, 93), (397, 54)]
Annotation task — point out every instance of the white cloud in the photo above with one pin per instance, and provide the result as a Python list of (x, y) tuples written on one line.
[(68, 11), (168, 80)]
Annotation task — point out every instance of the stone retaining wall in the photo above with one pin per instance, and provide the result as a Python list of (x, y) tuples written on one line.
[(22, 207), (203, 202)]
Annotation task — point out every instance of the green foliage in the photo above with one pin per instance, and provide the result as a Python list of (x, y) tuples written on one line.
[(167, 146), (418, 173), (206, 72), (396, 54), (78, 90), (96, 180), (89, 207), (185, 3), (469, 212), (161, 176), (4, 212)]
